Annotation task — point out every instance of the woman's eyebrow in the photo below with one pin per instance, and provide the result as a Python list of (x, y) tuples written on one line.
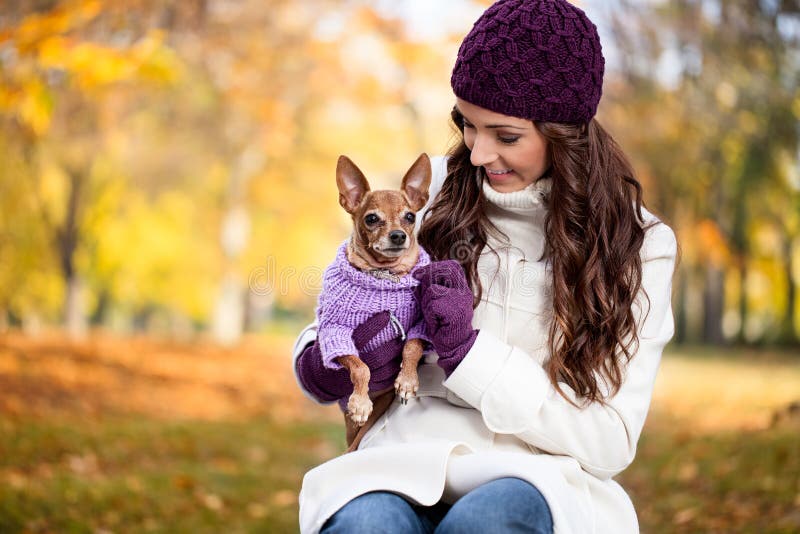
[(506, 126), (493, 125)]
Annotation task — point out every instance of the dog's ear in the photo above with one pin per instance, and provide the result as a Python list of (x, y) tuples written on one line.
[(417, 181), (351, 183)]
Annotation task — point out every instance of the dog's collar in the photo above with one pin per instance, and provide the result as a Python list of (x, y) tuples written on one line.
[(383, 274), (379, 274)]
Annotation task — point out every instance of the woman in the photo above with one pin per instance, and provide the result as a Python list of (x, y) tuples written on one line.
[(531, 403)]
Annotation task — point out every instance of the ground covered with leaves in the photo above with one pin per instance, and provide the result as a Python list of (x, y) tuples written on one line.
[(139, 435)]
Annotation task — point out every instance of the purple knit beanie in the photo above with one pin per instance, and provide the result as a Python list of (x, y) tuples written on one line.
[(533, 59)]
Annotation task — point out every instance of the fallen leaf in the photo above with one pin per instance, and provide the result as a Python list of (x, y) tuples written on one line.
[(684, 516), (284, 498)]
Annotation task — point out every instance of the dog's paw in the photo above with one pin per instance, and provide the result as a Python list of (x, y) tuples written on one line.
[(358, 408), (406, 386)]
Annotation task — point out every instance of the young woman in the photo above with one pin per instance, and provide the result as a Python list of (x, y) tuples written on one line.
[(548, 308)]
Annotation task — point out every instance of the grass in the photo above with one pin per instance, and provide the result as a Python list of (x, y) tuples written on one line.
[(136, 435), (128, 474), (723, 482), (139, 435), (720, 451)]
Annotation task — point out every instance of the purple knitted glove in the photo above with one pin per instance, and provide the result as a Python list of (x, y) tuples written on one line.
[(446, 301), (328, 385)]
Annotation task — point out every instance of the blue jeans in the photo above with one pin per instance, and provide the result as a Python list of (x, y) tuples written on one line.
[(505, 505)]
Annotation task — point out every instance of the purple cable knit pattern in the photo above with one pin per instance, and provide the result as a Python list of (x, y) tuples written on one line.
[(534, 59), (349, 297)]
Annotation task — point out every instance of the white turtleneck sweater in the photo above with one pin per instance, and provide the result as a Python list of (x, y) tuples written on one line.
[(520, 216), (498, 415), (516, 284)]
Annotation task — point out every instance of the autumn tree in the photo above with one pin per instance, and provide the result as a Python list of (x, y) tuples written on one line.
[(57, 93), (714, 85), (160, 154)]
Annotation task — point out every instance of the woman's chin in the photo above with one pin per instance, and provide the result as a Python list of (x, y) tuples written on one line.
[(506, 183)]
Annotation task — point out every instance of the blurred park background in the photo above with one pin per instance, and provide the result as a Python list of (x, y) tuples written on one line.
[(168, 204)]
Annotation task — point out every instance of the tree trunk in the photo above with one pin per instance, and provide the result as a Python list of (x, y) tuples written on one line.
[(713, 305), (99, 316), (788, 335), (228, 324), (31, 324), (75, 318), (229, 312), (740, 336), (258, 310), (680, 308), (66, 238)]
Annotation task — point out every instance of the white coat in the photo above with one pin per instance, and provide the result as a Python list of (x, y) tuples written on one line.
[(497, 415)]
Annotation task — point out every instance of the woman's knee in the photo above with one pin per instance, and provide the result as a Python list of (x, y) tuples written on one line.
[(503, 505), (379, 511)]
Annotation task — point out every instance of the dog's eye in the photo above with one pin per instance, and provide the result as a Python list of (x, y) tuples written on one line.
[(371, 219), (410, 217)]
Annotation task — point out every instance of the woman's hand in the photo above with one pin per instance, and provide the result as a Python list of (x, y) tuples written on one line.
[(446, 301), (333, 384)]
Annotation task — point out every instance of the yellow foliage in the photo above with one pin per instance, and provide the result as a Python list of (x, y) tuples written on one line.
[(29, 279), (42, 294), (8, 97), (765, 287), (297, 226), (53, 190), (48, 44), (68, 15), (157, 62), (35, 106), (411, 53), (155, 255), (53, 51), (93, 65)]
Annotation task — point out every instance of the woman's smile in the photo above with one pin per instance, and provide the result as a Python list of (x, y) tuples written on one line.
[(499, 176)]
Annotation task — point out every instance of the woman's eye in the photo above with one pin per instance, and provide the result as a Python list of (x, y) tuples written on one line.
[(508, 140), (371, 219), (410, 217), (465, 124)]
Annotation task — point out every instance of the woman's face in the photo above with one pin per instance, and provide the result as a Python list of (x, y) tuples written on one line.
[(511, 151)]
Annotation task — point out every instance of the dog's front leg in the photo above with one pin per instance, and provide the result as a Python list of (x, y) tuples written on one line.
[(407, 382), (359, 406)]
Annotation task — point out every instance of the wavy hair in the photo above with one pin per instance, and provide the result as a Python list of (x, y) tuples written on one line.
[(594, 232)]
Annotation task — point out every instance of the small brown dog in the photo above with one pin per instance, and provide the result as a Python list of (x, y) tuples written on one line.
[(385, 246)]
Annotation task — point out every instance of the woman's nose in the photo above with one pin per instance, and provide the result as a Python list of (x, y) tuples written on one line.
[(482, 152)]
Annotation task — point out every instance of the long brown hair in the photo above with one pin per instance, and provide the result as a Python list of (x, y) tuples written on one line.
[(594, 232)]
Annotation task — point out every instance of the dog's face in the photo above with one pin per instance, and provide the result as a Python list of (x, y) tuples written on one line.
[(383, 221)]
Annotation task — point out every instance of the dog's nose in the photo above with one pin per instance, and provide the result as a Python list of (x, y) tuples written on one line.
[(398, 237)]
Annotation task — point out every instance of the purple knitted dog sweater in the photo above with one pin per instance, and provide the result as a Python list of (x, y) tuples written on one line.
[(350, 296)]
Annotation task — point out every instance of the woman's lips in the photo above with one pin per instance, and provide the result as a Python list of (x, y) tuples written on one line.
[(499, 174)]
